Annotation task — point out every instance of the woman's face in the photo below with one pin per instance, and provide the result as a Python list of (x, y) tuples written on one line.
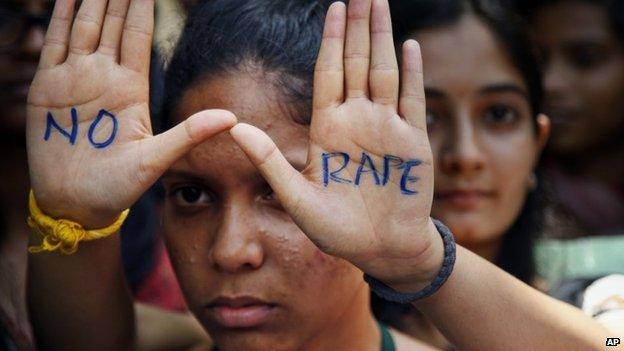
[(249, 274), (19, 63), (481, 132), (584, 75)]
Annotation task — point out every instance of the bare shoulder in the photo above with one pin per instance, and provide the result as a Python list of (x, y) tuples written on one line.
[(404, 342)]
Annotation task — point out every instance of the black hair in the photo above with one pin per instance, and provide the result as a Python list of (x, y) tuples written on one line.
[(614, 8), (280, 37), (411, 16)]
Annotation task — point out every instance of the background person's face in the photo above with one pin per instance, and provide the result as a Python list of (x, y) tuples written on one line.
[(481, 132), (229, 237), (584, 75), (18, 64)]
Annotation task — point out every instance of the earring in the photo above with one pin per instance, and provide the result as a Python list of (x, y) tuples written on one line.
[(532, 181)]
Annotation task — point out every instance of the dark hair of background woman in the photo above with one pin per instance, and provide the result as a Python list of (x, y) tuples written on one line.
[(614, 8), (410, 17)]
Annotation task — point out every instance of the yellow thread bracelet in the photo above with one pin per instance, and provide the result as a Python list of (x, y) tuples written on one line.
[(63, 234)]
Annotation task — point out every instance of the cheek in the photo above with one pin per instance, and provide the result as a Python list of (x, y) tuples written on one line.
[(187, 245), (602, 89), (319, 285), (512, 164), (297, 256), (508, 162)]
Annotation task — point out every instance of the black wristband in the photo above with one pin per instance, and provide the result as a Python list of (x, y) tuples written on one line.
[(389, 294)]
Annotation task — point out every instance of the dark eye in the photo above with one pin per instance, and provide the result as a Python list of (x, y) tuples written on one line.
[(270, 197), (432, 118), (500, 115), (191, 195), (587, 56)]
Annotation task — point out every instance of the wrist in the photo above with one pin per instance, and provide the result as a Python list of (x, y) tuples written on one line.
[(59, 208), (410, 290), (422, 270)]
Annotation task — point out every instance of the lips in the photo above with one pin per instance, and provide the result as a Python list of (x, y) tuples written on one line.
[(239, 312), (463, 198)]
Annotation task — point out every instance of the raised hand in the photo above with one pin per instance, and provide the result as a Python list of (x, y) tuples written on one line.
[(90, 144), (366, 192)]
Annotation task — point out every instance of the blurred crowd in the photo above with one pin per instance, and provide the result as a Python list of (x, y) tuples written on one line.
[(526, 97)]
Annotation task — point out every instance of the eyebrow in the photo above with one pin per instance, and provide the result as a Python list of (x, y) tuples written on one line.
[(183, 174), (504, 88), (435, 93), (492, 88)]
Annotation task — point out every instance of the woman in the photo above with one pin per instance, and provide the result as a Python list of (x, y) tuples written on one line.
[(583, 51), (253, 278), (486, 134)]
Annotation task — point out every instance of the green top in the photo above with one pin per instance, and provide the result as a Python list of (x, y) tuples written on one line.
[(387, 342)]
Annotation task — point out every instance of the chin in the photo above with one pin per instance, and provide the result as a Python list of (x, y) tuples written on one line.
[(467, 228), (251, 341)]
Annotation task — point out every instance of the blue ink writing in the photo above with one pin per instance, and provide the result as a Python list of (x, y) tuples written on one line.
[(367, 166), (333, 175), (406, 178), (390, 161), (94, 125), (51, 123), (371, 168)]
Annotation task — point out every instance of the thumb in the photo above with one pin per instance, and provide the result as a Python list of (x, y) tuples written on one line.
[(286, 181), (160, 151)]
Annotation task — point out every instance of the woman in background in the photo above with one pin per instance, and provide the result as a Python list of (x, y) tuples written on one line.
[(582, 44), (484, 95)]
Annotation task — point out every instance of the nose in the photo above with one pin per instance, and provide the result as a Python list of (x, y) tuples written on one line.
[(32, 43), (555, 82), (237, 246), (460, 152)]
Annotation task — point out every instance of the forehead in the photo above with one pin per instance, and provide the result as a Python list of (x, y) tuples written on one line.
[(465, 56), (572, 21), (254, 99)]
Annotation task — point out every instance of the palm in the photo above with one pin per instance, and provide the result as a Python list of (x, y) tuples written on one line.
[(376, 209), (91, 149), (369, 201), (89, 85)]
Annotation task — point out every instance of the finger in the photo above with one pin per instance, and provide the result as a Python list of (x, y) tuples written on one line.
[(113, 27), (357, 48), (285, 180), (160, 151), (54, 49), (85, 35), (384, 70), (136, 42), (329, 70), (412, 105)]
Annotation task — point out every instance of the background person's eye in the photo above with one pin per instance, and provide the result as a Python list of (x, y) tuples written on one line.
[(431, 118), (587, 56), (191, 195), (500, 115)]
